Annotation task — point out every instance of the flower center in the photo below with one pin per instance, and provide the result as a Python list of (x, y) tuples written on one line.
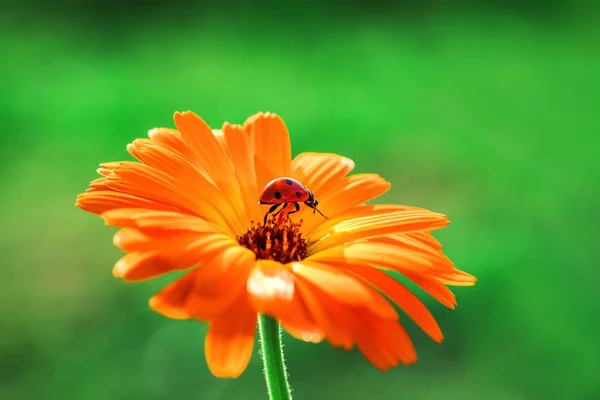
[(283, 242)]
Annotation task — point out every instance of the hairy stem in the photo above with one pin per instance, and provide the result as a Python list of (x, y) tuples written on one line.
[(273, 360)]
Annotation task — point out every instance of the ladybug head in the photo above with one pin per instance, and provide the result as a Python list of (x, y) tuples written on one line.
[(311, 202)]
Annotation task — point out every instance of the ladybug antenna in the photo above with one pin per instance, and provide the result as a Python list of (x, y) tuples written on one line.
[(319, 211)]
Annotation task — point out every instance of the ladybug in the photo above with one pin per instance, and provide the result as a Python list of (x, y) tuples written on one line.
[(287, 193)]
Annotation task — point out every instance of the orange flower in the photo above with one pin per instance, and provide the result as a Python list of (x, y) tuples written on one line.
[(190, 205)]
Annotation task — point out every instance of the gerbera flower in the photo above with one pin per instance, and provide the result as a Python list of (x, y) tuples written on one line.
[(191, 204)]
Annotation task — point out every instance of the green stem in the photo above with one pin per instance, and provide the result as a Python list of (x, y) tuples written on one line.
[(273, 361)]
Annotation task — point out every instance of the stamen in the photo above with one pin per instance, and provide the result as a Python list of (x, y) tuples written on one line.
[(278, 242)]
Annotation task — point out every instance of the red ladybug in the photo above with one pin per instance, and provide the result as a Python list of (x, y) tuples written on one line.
[(286, 191)]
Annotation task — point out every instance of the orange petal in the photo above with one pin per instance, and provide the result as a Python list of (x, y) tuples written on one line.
[(420, 268), (271, 142), (238, 200), (143, 240), (207, 291), (433, 287), (146, 182), (400, 295), (456, 278), (230, 340), (172, 140), (220, 136), (242, 157), (128, 238), (311, 333), (188, 176), (97, 202), (263, 174), (350, 192), (426, 239), (384, 343), (141, 265), (156, 219), (356, 212), (131, 239), (344, 287), (167, 160), (409, 242), (202, 141), (220, 281), (164, 220), (330, 316), (156, 257), (171, 301), (368, 226), (272, 290), (391, 256), (320, 170)]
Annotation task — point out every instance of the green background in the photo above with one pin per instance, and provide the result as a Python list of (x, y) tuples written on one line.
[(484, 111)]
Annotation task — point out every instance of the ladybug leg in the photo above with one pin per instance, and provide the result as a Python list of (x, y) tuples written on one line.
[(297, 208), (273, 208), (282, 208)]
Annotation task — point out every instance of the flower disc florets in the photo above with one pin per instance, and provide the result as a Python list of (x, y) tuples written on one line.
[(283, 243)]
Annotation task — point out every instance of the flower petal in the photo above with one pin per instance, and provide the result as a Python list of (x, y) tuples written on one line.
[(171, 301), (272, 290), (143, 181), (263, 174), (456, 278), (100, 201), (171, 256), (172, 140), (242, 157), (380, 224), (307, 333), (410, 241), (188, 176), (433, 287), (350, 192), (166, 160), (383, 342), (400, 295), (271, 142), (327, 313), (209, 151), (343, 287), (425, 238), (320, 170), (419, 267), (431, 250), (230, 340), (207, 291), (162, 220), (361, 210), (392, 256)]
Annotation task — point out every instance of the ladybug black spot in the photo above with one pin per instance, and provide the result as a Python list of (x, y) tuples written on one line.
[(277, 195), (289, 181), (298, 194)]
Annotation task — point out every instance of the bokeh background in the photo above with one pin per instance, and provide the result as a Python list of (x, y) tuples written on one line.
[(487, 111)]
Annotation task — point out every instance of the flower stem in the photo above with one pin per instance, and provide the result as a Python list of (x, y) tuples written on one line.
[(273, 360)]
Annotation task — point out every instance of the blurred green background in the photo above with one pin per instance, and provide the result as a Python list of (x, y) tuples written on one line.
[(486, 111)]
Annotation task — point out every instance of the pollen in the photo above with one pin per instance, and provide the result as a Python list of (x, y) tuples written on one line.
[(283, 243)]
